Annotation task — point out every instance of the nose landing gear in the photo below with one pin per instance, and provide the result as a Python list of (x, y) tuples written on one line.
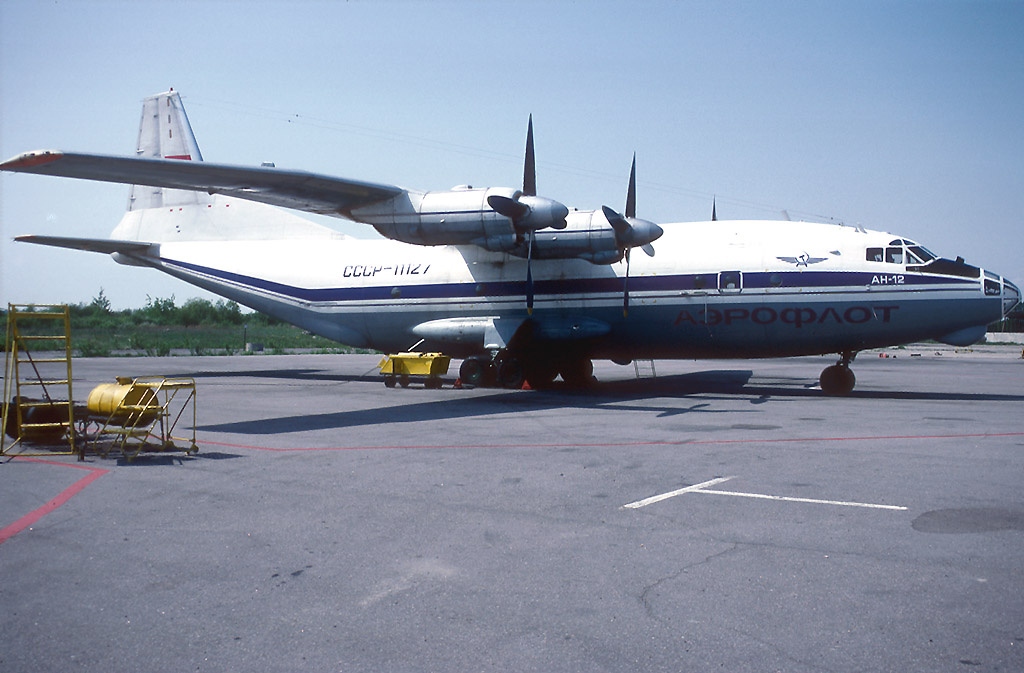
[(838, 379)]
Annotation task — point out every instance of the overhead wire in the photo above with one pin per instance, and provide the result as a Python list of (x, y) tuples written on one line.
[(332, 125)]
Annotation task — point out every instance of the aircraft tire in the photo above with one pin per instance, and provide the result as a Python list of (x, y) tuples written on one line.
[(510, 373), (837, 380), (473, 371), (541, 373), (577, 372)]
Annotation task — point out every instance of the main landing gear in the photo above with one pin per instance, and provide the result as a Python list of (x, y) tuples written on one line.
[(838, 379), (508, 370)]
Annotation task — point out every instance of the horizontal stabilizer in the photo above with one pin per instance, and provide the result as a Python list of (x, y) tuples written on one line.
[(107, 246), (300, 190)]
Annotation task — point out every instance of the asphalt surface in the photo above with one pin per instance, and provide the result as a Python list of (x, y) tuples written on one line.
[(722, 516)]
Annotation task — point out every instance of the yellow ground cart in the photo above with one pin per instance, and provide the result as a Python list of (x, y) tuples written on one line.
[(401, 367)]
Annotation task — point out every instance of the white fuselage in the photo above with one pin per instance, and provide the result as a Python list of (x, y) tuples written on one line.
[(714, 289)]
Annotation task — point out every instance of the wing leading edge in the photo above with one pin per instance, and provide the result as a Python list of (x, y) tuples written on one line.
[(106, 246), (300, 190)]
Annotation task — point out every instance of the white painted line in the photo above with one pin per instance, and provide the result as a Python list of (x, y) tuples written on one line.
[(807, 500), (703, 488), (665, 496)]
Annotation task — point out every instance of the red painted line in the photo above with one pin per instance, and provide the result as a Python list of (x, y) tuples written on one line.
[(65, 495), (698, 442)]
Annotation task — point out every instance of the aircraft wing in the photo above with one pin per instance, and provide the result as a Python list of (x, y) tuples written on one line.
[(102, 245), (301, 190)]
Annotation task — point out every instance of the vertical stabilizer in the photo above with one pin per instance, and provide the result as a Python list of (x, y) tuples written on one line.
[(164, 133)]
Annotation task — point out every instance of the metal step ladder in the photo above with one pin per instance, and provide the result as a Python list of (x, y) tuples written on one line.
[(38, 406)]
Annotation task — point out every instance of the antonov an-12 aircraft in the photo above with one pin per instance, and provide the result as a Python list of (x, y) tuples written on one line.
[(518, 285)]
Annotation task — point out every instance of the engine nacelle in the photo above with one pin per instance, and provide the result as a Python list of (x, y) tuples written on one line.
[(531, 213), (463, 216), (587, 235), (457, 217)]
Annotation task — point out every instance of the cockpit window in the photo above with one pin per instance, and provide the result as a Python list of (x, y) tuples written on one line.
[(920, 252), (896, 253)]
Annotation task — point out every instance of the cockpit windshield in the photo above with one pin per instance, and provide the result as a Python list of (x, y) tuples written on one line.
[(919, 258), (917, 254)]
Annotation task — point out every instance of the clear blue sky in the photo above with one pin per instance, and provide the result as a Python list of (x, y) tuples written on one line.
[(900, 116)]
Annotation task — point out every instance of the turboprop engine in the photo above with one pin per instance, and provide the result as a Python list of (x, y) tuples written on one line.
[(494, 218), (514, 221), (598, 236)]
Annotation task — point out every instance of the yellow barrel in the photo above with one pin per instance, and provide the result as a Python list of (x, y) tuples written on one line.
[(121, 399)]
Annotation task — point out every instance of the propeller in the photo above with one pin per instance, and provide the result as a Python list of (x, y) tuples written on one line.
[(529, 212), (631, 232)]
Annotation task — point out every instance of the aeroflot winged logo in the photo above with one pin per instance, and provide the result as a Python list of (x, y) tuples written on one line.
[(802, 260)]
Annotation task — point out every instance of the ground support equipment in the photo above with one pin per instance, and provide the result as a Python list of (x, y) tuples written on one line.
[(141, 414), (38, 406), (401, 367)]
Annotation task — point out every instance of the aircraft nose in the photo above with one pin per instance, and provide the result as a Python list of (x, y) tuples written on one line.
[(1011, 297)]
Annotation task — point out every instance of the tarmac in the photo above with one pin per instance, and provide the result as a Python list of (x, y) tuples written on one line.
[(723, 515)]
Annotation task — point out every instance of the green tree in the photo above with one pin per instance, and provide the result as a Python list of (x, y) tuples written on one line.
[(100, 303), (229, 313), (160, 311), (196, 312)]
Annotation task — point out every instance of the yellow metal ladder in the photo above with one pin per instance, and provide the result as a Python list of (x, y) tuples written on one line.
[(38, 404)]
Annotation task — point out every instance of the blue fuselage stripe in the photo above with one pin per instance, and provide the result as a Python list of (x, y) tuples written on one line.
[(806, 281)]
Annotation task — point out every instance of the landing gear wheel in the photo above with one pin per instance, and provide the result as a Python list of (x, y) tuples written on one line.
[(510, 373), (578, 372), (540, 373), (837, 380), (473, 371)]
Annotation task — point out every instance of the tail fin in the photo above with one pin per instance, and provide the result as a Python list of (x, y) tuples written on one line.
[(164, 133)]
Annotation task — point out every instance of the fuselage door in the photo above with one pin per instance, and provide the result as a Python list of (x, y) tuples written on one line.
[(730, 282)]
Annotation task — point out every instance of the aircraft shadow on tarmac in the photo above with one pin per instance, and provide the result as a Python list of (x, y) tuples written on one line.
[(651, 394), (287, 374)]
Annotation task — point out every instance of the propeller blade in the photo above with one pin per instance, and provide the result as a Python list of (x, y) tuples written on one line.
[(631, 190), (510, 208), (634, 232), (625, 288), (529, 275), (648, 248), (619, 224), (530, 165)]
